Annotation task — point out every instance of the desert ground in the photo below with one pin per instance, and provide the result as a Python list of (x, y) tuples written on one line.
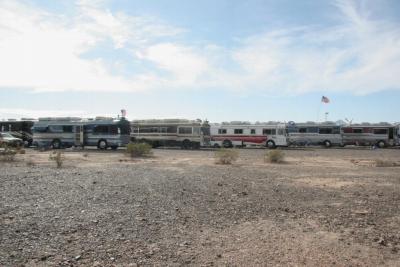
[(321, 207)]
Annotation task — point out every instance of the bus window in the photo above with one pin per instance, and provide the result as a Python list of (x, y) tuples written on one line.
[(238, 131), (196, 130), (252, 131), (302, 130), (114, 129), (100, 129), (55, 128), (312, 130), (185, 130), (380, 131), (325, 131), (221, 131), (67, 128), (39, 129)]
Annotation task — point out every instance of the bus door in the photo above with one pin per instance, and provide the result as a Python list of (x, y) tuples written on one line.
[(281, 138), (79, 138)]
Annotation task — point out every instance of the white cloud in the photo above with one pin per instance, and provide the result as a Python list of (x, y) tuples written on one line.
[(45, 52)]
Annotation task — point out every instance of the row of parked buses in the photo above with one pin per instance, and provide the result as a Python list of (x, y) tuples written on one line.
[(112, 133)]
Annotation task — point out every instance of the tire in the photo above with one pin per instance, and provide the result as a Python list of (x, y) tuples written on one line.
[(227, 144), (271, 144), (216, 145), (56, 144), (327, 144), (102, 144), (186, 144), (381, 144)]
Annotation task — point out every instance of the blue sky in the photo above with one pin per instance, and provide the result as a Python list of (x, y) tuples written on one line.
[(220, 60)]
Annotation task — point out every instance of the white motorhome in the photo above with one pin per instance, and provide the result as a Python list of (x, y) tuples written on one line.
[(171, 132), (230, 134), (327, 134), (70, 131)]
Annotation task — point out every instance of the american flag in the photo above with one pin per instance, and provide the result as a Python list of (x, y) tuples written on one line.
[(324, 99)]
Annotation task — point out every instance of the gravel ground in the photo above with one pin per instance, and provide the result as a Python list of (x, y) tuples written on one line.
[(321, 207)]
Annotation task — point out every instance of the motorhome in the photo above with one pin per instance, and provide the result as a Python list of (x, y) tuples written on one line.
[(231, 134), (19, 128), (171, 132), (381, 134), (70, 131), (327, 134)]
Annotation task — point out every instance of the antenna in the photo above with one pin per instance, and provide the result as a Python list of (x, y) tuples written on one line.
[(349, 122)]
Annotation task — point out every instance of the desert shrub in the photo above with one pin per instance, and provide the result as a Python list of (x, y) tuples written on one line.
[(274, 156), (30, 163), (138, 150), (385, 163), (21, 150), (7, 154), (226, 156), (85, 155), (58, 158)]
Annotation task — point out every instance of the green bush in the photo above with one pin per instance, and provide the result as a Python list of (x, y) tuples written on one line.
[(7, 154), (138, 150), (226, 156), (58, 158), (274, 156)]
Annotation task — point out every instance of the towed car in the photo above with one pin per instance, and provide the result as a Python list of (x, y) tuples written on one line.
[(8, 139)]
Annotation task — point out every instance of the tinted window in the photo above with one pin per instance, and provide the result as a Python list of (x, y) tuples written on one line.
[(67, 128), (380, 131), (238, 131), (55, 129), (38, 129), (312, 130), (252, 131), (103, 129), (302, 130), (221, 131), (357, 131), (269, 131), (185, 130), (325, 131), (114, 129)]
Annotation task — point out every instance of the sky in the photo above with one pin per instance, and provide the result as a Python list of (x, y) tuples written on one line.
[(221, 60)]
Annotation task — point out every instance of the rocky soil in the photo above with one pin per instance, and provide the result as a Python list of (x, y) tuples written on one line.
[(322, 207)]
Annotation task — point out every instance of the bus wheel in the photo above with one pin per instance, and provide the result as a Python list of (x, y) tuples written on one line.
[(196, 145), (102, 144), (381, 144), (56, 144), (186, 144), (271, 144), (227, 143), (216, 145), (327, 143)]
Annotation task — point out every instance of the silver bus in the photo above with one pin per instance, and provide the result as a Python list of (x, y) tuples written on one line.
[(311, 133), (381, 135), (171, 132), (67, 132)]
